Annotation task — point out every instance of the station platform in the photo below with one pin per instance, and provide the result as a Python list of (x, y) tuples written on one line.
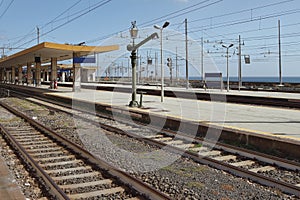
[(272, 121), (278, 122), (262, 93)]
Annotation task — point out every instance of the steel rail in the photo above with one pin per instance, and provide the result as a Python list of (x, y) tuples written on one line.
[(283, 186), (54, 188), (286, 187), (273, 160), (142, 188), (288, 164)]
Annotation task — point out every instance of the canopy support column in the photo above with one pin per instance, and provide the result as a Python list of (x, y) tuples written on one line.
[(20, 75), (13, 74), (7, 76), (29, 74), (38, 72), (53, 76), (76, 74), (2, 75)]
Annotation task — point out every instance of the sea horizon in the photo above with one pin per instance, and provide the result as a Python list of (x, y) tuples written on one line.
[(269, 79)]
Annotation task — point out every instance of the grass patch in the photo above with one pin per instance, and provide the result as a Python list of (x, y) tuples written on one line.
[(197, 145), (152, 156), (13, 119), (184, 172), (194, 184)]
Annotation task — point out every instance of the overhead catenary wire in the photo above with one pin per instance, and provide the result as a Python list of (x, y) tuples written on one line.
[(62, 13), (259, 37), (11, 2), (1, 2), (162, 18), (193, 29), (242, 11), (178, 13), (32, 32), (102, 3), (57, 18)]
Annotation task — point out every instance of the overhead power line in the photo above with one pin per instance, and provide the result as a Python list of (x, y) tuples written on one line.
[(169, 16), (239, 22), (242, 11), (32, 32), (243, 21), (11, 2), (61, 14), (1, 3), (162, 18), (102, 3)]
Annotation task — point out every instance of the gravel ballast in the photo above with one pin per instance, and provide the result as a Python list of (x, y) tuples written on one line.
[(178, 177)]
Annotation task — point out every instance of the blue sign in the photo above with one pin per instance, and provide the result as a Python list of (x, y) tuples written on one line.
[(84, 60)]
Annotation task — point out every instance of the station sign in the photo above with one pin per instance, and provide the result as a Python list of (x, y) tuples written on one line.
[(84, 60)]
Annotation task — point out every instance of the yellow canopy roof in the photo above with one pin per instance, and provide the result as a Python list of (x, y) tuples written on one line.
[(48, 50)]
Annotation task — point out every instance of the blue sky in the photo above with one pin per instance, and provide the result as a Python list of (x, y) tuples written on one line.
[(217, 21)]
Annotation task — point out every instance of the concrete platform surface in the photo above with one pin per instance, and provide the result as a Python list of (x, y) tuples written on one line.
[(277, 122), (284, 95)]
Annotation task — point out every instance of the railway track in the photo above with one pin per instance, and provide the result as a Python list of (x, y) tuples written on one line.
[(264, 169), (256, 166), (66, 170)]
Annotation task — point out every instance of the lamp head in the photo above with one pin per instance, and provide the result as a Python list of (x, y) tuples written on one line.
[(133, 31), (166, 24), (231, 45), (157, 27)]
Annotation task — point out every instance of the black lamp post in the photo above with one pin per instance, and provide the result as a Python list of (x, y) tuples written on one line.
[(133, 34)]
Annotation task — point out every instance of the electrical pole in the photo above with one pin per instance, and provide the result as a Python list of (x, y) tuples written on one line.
[(279, 45), (38, 34), (147, 66), (176, 63), (202, 56), (140, 70), (240, 64), (186, 56), (156, 63)]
